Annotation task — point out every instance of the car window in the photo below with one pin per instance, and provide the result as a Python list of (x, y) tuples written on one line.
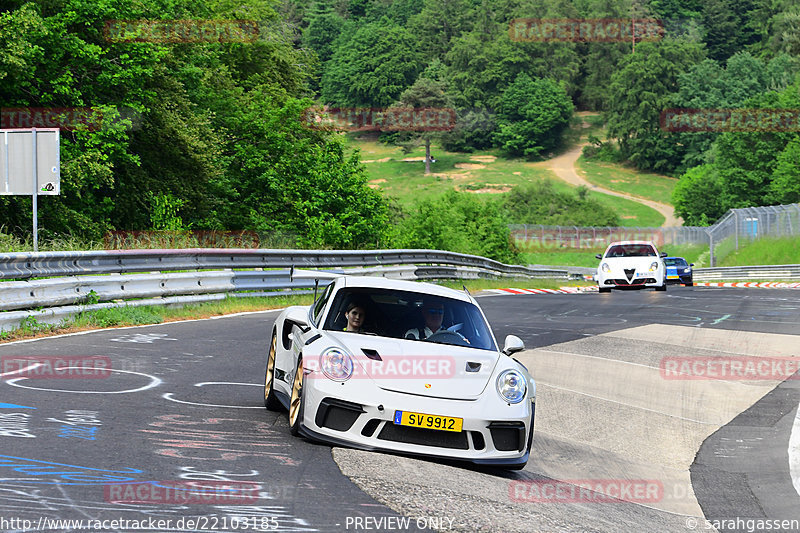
[(392, 313), (631, 250), (675, 261)]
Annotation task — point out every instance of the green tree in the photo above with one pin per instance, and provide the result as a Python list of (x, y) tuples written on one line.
[(458, 222), (785, 185), (728, 27), (426, 93), (697, 196), (533, 116), (640, 90), (541, 203), (371, 67)]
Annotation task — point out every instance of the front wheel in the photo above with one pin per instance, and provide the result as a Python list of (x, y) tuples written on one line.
[(605, 289), (271, 402), (296, 403), (663, 286)]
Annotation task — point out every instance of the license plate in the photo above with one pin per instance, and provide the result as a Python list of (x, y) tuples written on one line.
[(421, 420)]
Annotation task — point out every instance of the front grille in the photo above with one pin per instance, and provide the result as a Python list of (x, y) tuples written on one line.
[(629, 272), (370, 427), (477, 440), (424, 437)]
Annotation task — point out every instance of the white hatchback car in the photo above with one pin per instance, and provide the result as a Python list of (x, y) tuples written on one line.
[(421, 375), (631, 265)]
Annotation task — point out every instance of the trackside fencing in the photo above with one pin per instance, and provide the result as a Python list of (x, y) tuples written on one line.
[(66, 283), (735, 227)]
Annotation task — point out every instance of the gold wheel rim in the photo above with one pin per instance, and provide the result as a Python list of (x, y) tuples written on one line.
[(297, 390), (270, 368)]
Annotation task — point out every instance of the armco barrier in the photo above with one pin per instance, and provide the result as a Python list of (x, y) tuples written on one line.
[(43, 264), (85, 281), (768, 272)]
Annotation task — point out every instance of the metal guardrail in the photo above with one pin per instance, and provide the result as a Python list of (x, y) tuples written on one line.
[(770, 272), (84, 281), (44, 264)]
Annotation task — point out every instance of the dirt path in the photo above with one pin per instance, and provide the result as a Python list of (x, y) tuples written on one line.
[(564, 168)]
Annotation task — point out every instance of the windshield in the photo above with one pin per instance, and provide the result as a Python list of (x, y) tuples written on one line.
[(402, 315), (675, 261), (631, 250)]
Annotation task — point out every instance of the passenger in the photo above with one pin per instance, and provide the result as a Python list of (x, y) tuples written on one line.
[(355, 314)]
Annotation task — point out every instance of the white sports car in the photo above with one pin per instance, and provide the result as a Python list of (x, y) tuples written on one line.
[(631, 264), (421, 375)]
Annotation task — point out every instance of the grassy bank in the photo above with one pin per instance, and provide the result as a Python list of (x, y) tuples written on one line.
[(485, 173), (616, 177), (780, 251)]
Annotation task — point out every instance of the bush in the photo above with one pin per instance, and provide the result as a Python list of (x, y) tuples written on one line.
[(458, 222), (541, 203)]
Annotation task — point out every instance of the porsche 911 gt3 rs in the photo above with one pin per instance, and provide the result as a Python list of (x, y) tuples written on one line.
[(423, 376)]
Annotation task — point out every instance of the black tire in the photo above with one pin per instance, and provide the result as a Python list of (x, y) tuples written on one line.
[(605, 289), (663, 286), (271, 401), (296, 403), (690, 284)]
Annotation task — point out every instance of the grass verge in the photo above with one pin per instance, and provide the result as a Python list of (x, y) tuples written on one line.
[(778, 251)]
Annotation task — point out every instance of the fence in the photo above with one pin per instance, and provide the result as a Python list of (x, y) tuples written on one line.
[(724, 236), (751, 223)]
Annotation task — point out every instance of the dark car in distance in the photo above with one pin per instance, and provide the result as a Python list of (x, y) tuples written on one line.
[(679, 271)]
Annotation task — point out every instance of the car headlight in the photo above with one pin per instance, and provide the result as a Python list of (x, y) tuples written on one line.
[(653, 266), (687, 270), (605, 268), (336, 364), (512, 386)]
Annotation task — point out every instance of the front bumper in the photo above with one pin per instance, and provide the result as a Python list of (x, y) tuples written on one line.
[(493, 432), (620, 280)]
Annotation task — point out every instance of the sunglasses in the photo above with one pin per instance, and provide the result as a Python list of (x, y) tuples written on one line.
[(434, 311)]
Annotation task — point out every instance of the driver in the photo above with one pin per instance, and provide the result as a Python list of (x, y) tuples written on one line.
[(432, 315)]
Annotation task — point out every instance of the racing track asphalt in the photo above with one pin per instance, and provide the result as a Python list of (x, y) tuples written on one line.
[(203, 419)]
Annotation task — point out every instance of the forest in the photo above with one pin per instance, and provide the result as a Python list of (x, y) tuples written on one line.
[(211, 133)]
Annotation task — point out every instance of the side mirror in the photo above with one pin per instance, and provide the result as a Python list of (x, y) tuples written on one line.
[(663, 254), (691, 264), (599, 256), (513, 344)]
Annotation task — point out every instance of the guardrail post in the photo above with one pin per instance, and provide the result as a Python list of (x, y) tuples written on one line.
[(711, 248)]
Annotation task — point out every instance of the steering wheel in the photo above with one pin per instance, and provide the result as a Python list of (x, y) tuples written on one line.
[(448, 337)]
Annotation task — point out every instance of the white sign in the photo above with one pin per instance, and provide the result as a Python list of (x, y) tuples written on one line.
[(18, 174)]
